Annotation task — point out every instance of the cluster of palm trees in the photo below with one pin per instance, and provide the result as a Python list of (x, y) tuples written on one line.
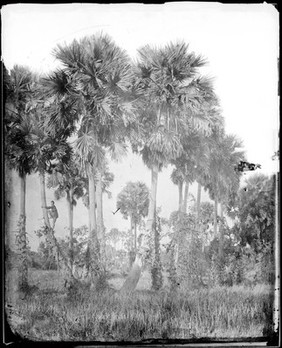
[(71, 123)]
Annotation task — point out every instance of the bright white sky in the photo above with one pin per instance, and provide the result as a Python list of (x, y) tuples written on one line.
[(240, 42)]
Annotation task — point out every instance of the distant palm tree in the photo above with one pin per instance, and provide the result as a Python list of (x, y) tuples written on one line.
[(133, 202)]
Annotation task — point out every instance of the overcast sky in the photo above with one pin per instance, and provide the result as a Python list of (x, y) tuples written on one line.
[(239, 41)]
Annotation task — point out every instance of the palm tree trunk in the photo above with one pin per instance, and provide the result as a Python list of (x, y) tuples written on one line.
[(93, 242), (43, 200), (221, 237), (157, 278), (185, 199), (180, 195), (132, 251), (22, 242), (92, 207), (11, 209), (152, 198), (153, 229), (215, 215), (70, 213), (199, 191), (99, 201), (135, 237)]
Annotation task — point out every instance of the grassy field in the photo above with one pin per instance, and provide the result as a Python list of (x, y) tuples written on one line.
[(49, 314)]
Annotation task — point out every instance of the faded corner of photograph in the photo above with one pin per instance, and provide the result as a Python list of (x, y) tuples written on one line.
[(141, 173)]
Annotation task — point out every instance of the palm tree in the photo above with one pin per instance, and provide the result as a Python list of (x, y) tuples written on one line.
[(90, 155), (49, 144), (102, 76), (224, 180), (174, 98), (133, 203), (18, 149)]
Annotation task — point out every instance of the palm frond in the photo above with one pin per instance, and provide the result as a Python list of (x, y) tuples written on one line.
[(117, 150)]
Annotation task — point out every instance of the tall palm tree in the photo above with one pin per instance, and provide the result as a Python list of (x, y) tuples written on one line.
[(90, 155), (50, 146), (102, 75), (174, 99), (18, 149), (224, 180)]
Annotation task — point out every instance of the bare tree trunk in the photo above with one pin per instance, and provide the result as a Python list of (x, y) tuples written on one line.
[(135, 237), (199, 191), (132, 250), (151, 222), (180, 195), (152, 198), (93, 242), (215, 215), (43, 200), (185, 199), (100, 225), (22, 242), (12, 210), (70, 212), (92, 207), (156, 271), (221, 236)]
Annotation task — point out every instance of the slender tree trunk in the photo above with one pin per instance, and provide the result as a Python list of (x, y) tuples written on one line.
[(93, 242), (185, 199), (43, 200), (151, 223), (215, 215), (221, 236), (11, 210), (99, 206), (100, 223), (22, 242), (173, 264), (132, 251), (157, 279), (152, 198), (135, 237), (70, 213), (199, 191), (180, 195), (92, 207)]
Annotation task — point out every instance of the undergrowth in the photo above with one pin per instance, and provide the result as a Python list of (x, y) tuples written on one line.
[(108, 316)]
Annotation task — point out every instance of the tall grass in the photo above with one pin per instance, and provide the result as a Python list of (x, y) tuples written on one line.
[(109, 316)]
